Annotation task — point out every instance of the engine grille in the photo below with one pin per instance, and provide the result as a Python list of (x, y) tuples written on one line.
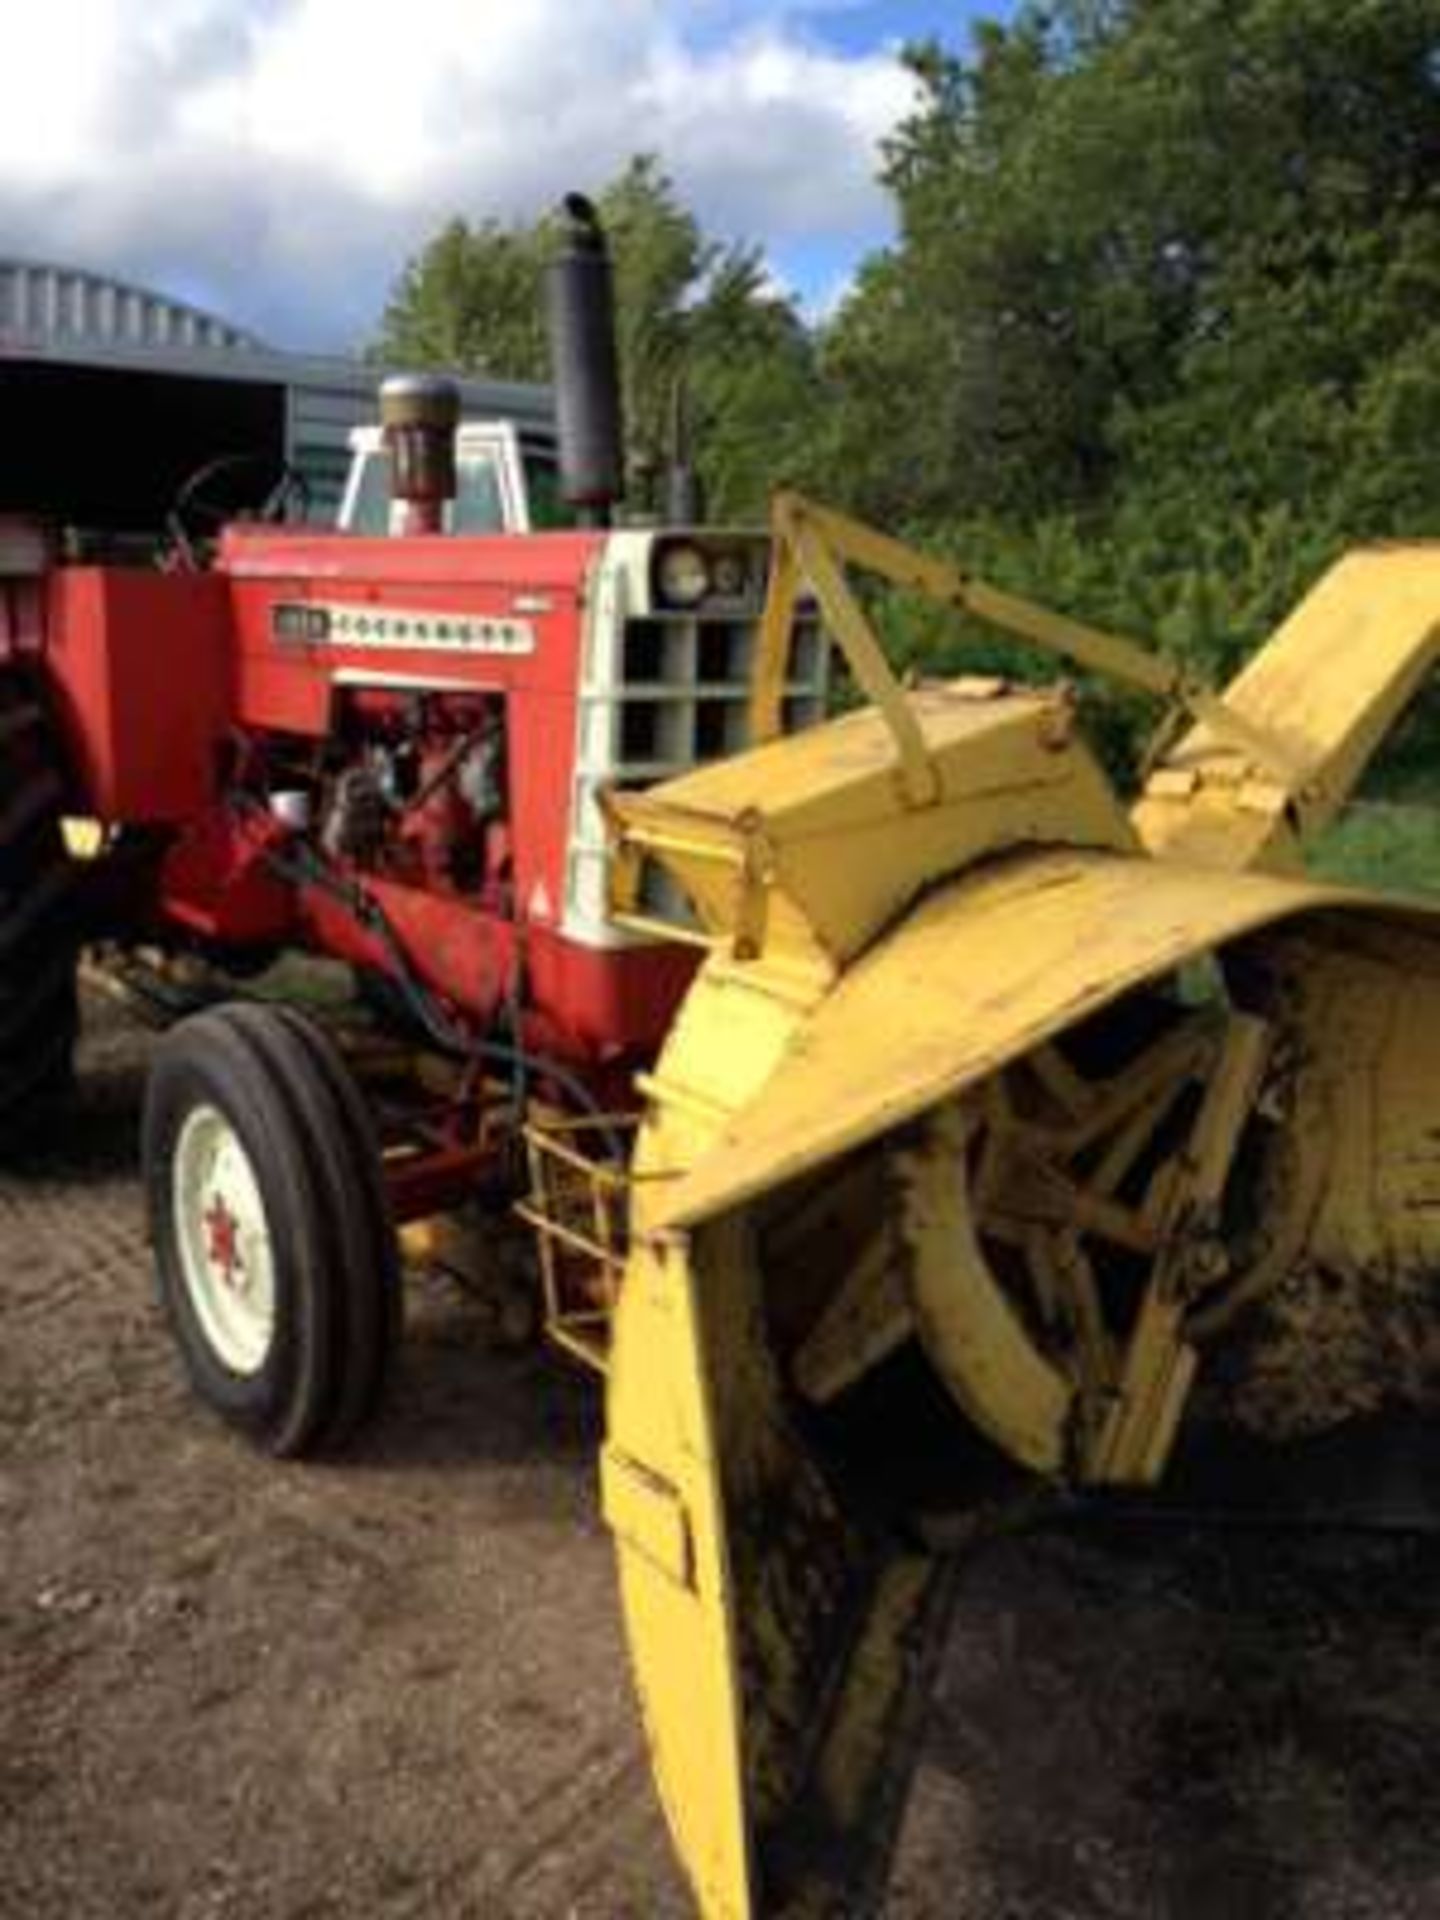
[(676, 697)]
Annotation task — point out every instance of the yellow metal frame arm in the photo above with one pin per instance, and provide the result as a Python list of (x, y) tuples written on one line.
[(806, 555), (813, 545)]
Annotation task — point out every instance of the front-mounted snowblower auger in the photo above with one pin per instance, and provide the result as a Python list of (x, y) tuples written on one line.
[(912, 1128), (1001, 1129)]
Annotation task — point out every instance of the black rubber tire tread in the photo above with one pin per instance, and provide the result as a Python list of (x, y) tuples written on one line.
[(39, 1004), (362, 1237), (36, 904), (208, 1058), (37, 1080), (34, 804), (364, 1141), (35, 1005), (23, 717), (300, 1117), (356, 1318)]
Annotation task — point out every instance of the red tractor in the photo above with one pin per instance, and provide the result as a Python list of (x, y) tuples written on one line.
[(388, 751), (995, 1108)]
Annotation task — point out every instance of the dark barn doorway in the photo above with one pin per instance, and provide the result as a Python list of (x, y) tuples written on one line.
[(106, 449)]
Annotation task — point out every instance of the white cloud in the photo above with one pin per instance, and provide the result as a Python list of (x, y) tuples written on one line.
[(284, 156)]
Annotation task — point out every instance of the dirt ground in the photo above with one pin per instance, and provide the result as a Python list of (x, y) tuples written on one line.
[(397, 1687)]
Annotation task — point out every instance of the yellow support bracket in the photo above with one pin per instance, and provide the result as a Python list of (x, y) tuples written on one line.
[(805, 555), (812, 547)]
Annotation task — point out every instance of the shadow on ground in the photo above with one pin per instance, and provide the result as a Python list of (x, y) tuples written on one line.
[(396, 1685), (1167, 1723)]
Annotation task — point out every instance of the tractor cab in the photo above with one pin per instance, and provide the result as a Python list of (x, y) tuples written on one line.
[(506, 482)]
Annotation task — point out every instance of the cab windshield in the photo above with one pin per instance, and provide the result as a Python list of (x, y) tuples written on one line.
[(548, 511), (479, 505)]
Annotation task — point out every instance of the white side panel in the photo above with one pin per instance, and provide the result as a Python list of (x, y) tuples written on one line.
[(661, 691)]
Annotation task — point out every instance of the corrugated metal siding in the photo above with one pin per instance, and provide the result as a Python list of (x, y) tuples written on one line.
[(69, 315), (320, 419), (43, 302)]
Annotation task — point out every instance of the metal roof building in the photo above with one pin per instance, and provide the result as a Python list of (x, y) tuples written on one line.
[(111, 394)]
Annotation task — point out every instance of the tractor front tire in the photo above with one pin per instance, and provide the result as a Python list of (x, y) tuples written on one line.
[(275, 1254), (39, 1005)]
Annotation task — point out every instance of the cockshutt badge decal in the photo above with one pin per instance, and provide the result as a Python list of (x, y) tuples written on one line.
[(310, 623)]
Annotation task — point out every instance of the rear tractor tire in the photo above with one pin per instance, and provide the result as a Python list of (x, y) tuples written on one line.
[(275, 1254), (39, 941)]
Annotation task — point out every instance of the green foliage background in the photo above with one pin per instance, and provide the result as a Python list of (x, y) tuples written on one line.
[(1158, 338)]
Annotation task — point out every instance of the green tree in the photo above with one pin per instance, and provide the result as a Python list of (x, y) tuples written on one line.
[(1114, 203), (1159, 335), (469, 301), (754, 387)]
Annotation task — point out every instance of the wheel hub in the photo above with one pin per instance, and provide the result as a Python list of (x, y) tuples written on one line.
[(223, 1247), (223, 1236)]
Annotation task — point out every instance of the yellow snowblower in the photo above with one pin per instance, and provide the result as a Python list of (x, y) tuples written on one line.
[(1003, 1128)]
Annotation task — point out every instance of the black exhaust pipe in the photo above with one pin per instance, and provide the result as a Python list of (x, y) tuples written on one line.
[(583, 359)]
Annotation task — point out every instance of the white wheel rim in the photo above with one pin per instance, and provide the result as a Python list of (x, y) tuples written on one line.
[(223, 1237)]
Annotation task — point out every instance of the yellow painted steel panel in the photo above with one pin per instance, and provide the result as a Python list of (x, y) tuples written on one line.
[(844, 771), (661, 1421), (825, 847), (1327, 687), (1363, 633), (978, 974), (900, 904)]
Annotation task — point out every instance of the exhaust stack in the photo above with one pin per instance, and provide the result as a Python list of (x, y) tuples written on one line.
[(582, 354), (419, 415)]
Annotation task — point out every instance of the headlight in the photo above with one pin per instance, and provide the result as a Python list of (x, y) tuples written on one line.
[(682, 576), (731, 576)]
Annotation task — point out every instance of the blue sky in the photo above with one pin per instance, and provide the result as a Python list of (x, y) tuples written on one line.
[(819, 267), (851, 26), (281, 159), (872, 23)]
